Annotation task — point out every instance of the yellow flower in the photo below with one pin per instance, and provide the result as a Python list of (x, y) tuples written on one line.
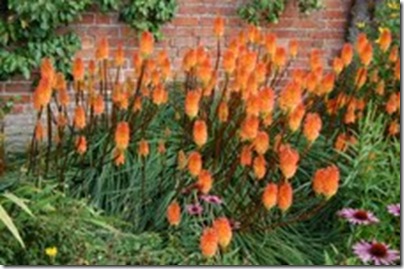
[(360, 25), (393, 5), (51, 251)]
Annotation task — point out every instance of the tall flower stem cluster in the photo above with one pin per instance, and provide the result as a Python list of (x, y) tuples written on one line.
[(238, 137)]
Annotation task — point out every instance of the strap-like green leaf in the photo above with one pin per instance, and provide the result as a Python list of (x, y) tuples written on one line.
[(18, 201), (5, 218)]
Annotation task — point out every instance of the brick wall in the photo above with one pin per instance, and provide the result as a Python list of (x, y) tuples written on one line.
[(192, 25)]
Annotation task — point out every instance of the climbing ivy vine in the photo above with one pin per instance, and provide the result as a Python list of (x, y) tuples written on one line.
[(29, 28)]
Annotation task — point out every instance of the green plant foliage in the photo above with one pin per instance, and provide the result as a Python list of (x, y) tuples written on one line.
[(28, 29), (148, 14), (81, 235), (269, 11), (372, 184)]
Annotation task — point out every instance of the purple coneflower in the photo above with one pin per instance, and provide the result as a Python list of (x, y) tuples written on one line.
[(195, 209), (212, 199), (358, 216), (378, 253), (394, 209)]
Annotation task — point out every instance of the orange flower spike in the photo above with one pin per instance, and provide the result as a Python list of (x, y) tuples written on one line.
[(223, 113), (137, 62), (92, 69), (288, 160), (161, 148), (290, 97), (79, 117), (366, 54), (327, 83), (48, 71), (338, 65), (270, 196), (267, 120), (61, 120), (63, 97), (201, 55), (78, 69), (122, 134), (267, 100), (311, 82), (137, 105), (43, 93), (207, 91), (39, 132), (209, 242), (261, 72), (249, 128), (385, 39), (361, 77), (249, 61), (361, 42), (261, 143), (204, 72), (158, 96), (200, 133), (293, 48), (229, 62), (81, 145), (341, 142), (195, 163), (315, 59), (146, 44), (119, 157), (144, 149), (218, 26), (393, 104), (285, 196), (234, 47), (224, 232), (277, 142), (181, 160), (298, 76), (102, 50), (246, 156), (360, 104), (60, 82), (394, 128), (326, 181), (260, 167), (312, 127), (295, 118), (165, 68), (192, 103), (189, 60), (380, 88), (270, 44), (280, 57), (347, 54), (173, 214), (253, 105), (393, 56), (119, 56), (205, 181)]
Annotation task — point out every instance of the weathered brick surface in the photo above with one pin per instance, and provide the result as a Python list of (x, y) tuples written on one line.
[(324, 29)]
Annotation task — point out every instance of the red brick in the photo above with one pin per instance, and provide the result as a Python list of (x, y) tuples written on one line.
[(87, 18), (185, 21), (100, 32), (102, 18), (18, 87)]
